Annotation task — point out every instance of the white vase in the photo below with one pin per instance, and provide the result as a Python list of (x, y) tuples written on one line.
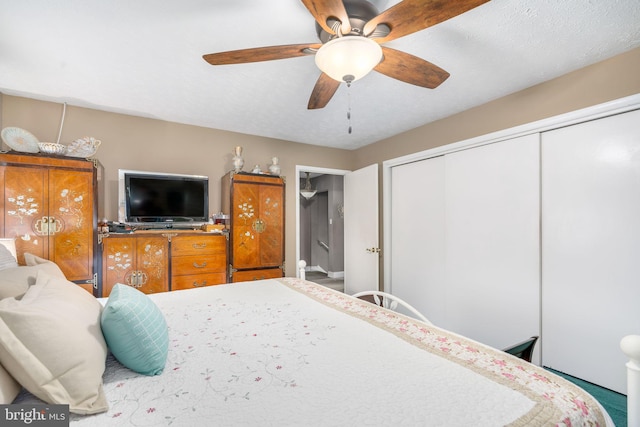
[(238, 161), (274, 168)]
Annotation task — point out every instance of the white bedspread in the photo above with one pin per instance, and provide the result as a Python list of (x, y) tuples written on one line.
[(292, 353)]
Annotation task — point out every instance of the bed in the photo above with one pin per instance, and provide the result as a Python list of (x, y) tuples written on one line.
[(292, 352)]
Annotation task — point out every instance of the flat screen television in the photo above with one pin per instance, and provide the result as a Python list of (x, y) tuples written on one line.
[(154, 199)]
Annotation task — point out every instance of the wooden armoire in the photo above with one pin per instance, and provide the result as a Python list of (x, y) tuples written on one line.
[(255, 204), (49, 205)]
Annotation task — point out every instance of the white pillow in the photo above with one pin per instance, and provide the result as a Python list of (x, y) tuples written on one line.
[(10, 244), (7, 260), (52, 344)]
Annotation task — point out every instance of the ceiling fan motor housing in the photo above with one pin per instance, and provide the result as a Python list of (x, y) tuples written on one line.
[(360, 12)]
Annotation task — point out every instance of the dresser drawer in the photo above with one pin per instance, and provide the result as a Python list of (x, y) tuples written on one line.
[(199, 244), (248, 275), (197, 280), (197, 264)]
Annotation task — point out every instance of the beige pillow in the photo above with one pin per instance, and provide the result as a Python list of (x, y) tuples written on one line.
[(9, 388), (52, 344), (7, 260), (31, 259), (15, 281)]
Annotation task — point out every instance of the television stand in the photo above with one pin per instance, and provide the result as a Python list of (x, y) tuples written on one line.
[(160, 260)]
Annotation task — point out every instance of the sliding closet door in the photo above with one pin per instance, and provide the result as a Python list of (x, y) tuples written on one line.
[(591, 247), (417, 236), (493, 241)]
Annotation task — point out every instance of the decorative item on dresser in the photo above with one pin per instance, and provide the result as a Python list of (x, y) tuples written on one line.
[(238, 161), (255, 204), (49, 206), (155, 261), (274, 167)]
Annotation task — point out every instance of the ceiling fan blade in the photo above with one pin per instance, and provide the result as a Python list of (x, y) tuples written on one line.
[(325, 9), (410, 69), (410, 16), (322, 92), (258, 54)]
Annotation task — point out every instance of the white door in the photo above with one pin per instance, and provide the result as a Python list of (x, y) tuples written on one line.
[(493, 241), (464, 242), (591, 247), (417, 240), (361, 245)]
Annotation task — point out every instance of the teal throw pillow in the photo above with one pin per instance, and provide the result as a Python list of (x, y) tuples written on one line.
[(135, 330)]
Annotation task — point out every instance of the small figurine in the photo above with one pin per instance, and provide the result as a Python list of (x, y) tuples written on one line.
[(274, 168)]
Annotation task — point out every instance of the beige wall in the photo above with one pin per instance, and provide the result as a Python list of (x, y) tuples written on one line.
[(605, 81), (130, 142)]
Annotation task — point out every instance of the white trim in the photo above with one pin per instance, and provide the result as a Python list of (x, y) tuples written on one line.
[(618, 106), (312, 169), (335, 274), (590, 113)]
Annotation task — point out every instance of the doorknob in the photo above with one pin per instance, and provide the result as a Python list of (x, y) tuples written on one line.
[(373, 250)]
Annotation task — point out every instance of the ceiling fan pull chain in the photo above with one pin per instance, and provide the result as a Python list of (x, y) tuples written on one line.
[(349, 105)]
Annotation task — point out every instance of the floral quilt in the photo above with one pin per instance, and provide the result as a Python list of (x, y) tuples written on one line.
[(287, 352)]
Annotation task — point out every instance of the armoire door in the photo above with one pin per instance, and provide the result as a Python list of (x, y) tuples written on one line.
[(271, 201), (257, 211), (25, 209), (50, 213), (591, 247), (139, 261), (71, 207), (255, 203), (245, 208)]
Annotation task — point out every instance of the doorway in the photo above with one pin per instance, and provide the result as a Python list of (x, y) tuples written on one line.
[(320, 225), (360, 251)]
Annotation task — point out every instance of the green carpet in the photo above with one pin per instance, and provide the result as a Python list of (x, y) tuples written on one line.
[(614, 403)]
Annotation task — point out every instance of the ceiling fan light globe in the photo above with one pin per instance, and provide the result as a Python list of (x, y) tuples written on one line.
[(348, 58)]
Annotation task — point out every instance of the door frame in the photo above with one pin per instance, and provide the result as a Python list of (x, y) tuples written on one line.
[(301, 169)]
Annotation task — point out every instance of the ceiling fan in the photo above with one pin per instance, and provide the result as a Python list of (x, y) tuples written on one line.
[(350, 32)]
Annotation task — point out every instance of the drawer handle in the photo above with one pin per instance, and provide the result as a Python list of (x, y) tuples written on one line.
[(197, 285), (199, 245), (203, 265)]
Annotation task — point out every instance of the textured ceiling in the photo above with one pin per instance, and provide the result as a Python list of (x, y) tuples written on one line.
[(144, 58)]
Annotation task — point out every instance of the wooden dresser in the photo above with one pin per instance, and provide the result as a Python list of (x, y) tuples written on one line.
[(49, 205), (162, 260), (255, 203)]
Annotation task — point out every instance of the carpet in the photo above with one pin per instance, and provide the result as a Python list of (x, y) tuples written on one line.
[(322, 279)]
